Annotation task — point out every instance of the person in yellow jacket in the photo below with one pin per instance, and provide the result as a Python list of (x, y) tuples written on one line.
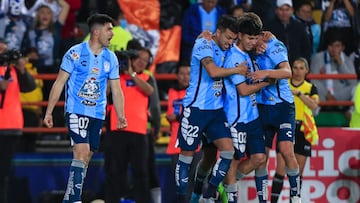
[(32, 113), (305, 97)]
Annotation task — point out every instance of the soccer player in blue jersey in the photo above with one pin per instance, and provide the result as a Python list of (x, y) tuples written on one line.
[(276, 108), (242, 113), (203, 107), (86, 70)]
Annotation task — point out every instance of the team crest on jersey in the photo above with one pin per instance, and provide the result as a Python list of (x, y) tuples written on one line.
[(90, 89), (95, 71), (106, 66)]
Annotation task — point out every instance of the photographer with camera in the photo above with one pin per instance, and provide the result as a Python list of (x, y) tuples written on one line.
[(13, 80), (130, 145)]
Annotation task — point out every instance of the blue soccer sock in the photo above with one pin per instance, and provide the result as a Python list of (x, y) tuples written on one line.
[(182, 175), (75, 182), (219, 171), (261, 182), (231, 191), (294, 180)]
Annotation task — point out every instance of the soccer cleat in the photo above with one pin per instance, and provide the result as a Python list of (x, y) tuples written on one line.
[(195, 198), (295, 199), (222, 193)]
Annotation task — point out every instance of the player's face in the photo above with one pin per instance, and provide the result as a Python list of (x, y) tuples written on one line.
[(260, 46), (106, 34), (225, 39), (247, 42), (183, 76)]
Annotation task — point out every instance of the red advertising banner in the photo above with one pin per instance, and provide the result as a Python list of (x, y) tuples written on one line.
[(332, 174)]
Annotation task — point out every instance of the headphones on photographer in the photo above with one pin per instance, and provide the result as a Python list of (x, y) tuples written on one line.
[(150, 56)]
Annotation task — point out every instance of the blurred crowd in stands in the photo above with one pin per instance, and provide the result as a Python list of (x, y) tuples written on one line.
[(325, 32)]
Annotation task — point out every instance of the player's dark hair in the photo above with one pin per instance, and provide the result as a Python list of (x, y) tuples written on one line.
[(250, 24), (227, 22), (98, 19)]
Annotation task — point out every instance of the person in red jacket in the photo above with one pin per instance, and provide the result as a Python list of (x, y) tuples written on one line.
[(129, 146), (13, 80)]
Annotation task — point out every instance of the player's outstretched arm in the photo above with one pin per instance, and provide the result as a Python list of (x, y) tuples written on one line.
[(54, 96)]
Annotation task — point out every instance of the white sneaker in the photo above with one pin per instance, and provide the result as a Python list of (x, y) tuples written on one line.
[(295, 199), (207, 200)]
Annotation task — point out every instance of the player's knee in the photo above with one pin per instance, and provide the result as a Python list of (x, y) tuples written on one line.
[(258, 160)]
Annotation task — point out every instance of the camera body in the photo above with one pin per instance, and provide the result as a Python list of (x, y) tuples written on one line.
[(124, 57), (10, 56)]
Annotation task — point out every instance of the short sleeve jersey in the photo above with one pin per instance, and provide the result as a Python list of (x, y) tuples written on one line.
[(89, 73), (275, 53), (238, 109), (204, 92)]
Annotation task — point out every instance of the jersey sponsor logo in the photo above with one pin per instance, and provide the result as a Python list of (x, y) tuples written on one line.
[(83, 63), (289, 134), (279, 48), (217, 94), (88, 103), (95, 71), (68, 57), (217, 84), (253, 99), (204, 47), (90, 89), (75, 56), (130, 83), (106, 66)]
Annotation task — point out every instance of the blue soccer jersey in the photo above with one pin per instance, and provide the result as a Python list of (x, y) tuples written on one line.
[(275, 53), (204, 92), (238, 109), (86, 87)]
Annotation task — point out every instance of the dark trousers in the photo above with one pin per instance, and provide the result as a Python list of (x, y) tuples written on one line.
[(153, 176), (7, 151), (121, 150)]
